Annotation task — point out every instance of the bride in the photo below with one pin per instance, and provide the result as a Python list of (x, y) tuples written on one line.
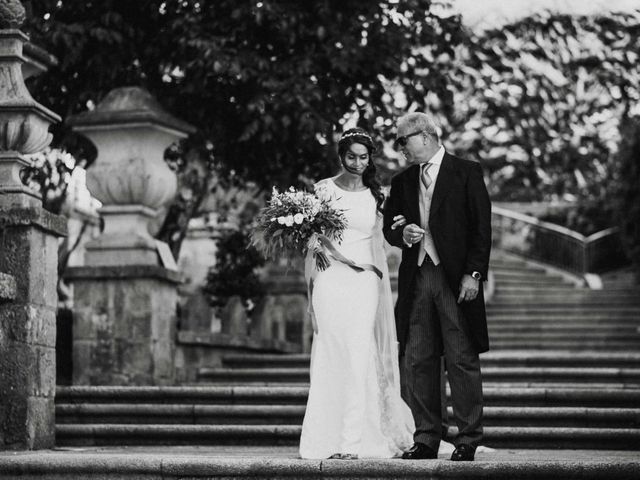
[(354, 408)]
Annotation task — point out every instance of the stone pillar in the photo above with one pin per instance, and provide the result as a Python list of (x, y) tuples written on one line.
[(125, 297), (281, 314), (28, 257)]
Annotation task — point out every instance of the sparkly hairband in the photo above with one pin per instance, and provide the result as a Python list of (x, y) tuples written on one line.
[(357, 134)]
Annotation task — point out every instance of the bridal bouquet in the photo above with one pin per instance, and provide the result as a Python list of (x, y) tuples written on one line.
[(294, 222)]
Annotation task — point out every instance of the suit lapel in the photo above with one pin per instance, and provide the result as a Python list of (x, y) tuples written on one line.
[(411, 192), (443, 184)]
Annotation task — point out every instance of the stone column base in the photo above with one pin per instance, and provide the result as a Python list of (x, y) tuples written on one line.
[(28, 261), (124, 324)]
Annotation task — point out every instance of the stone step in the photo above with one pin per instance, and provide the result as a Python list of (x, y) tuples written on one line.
[(510, 300), (197, 414), (540, 289), (494, 395), (572, 328), (528, 308), (532, 283), (525, 274), (563, 320), (631, 335), (275, 463), (574, 292), (502, 358), (567, 296), (496, 437), (631, 345), (500, 267), (624, 376)]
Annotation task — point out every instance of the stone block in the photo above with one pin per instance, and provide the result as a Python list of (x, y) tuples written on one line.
[(7, 287), (27, 369), (30, 256), (163, 367), (124, 330), (234, 317), (281, 317), (82, 350), (134, 359), (35, 325), (133, 326), (196, 313), (27, 422)]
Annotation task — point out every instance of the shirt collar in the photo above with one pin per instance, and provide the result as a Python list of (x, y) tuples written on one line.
[(437, 157)]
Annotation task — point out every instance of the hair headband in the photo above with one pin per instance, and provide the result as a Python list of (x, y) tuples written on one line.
[(357, 134)]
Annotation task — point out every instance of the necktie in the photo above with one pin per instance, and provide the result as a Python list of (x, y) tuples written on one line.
[(426, 179), (427, 246)]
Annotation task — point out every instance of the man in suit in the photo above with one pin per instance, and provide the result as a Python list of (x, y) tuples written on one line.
[(440, 309)]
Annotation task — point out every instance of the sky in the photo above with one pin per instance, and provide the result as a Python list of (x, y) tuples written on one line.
[(492, 13)]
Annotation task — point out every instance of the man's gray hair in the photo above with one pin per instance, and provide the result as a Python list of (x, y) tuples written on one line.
[(418, 121)]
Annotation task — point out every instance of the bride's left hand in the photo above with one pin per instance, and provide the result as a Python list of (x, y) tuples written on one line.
[(398, 221)]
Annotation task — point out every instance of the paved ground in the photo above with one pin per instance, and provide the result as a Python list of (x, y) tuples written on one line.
[(162, 463), (292, 453)]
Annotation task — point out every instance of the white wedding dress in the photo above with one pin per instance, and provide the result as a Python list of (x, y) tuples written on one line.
[(354, 403)]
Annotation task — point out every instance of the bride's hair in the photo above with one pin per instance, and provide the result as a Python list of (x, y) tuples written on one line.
[(369, 178)]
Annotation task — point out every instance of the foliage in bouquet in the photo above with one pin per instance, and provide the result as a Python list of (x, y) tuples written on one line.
[(290, 223)]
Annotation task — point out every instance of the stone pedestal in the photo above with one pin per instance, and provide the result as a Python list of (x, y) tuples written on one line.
[(29, 254), (125, 299), (124, 325)]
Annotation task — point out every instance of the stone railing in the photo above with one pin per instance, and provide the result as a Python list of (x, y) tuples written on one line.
[(555, 245)]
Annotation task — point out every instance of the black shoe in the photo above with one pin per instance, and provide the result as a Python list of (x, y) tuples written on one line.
[(463, 453), (420, 451)]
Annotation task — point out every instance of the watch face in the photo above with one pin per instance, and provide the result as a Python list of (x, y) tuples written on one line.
[(476, 275)]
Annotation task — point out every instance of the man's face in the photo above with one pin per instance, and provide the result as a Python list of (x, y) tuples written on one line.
[(411, 142)]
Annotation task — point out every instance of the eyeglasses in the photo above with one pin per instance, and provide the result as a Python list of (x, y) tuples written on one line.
[(402, 141)]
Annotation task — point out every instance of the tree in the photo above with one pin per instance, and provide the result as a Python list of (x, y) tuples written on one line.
[(541, 103), (265, 82), (627, 196)]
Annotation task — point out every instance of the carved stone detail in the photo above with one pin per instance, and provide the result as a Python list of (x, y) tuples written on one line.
[(24, 136), (12, 14)]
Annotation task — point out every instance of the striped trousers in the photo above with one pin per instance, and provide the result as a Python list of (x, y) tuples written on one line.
[(436, 328)]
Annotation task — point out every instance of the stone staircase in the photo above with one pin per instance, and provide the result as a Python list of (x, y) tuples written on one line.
[(563, 372)]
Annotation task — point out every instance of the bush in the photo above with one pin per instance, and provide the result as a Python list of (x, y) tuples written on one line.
[(235, 271)]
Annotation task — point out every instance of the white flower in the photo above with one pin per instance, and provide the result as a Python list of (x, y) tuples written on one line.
[(298, 218), (288, 221), (274, 219), (282, 220)]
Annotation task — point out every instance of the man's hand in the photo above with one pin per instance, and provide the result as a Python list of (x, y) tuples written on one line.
[(398, 221), (468, 289), (412, 233)]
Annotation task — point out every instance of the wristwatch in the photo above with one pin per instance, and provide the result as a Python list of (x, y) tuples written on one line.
[(476, 275)]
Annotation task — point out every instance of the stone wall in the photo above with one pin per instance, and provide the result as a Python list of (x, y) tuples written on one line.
[(27, 327)]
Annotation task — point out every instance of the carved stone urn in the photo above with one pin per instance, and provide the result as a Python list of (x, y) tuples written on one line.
[(131, 132), (24, 123)]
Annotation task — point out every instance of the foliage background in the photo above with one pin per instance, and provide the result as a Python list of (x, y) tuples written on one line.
[(542, 102), (265, 82)]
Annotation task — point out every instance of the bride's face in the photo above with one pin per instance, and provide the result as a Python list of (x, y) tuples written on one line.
[(356, 158)]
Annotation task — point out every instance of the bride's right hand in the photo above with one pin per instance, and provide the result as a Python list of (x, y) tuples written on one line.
[(398, 221)]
